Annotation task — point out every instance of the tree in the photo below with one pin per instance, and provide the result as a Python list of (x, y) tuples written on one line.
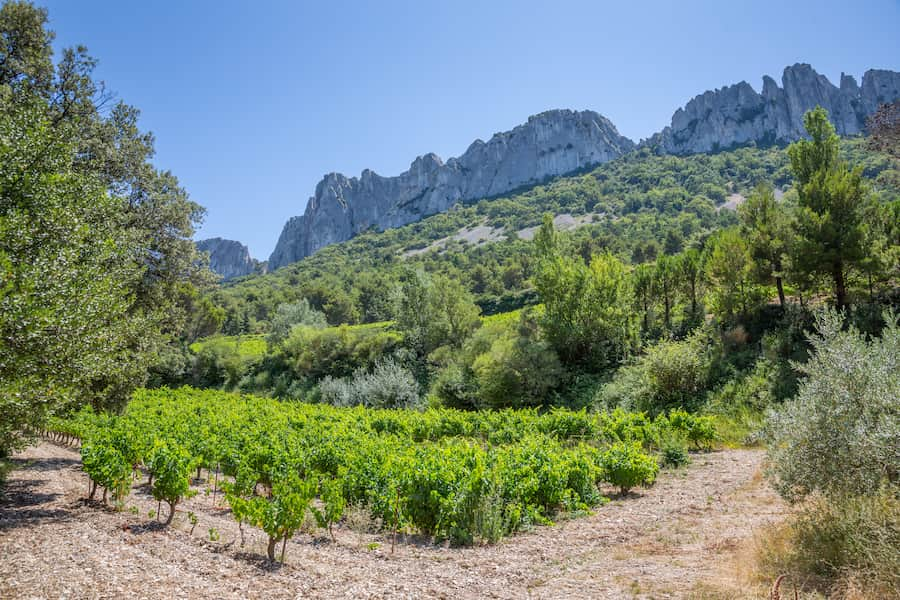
[(727, 268), (518, 370), (288, 315), (25, 47), (588, 315), (644, 291), (95, 244), (690, 267), (434, 311), (833, 201), (67, 332), (667, 276), (768, 231)]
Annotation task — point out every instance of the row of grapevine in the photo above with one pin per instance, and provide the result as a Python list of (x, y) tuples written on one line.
[(462, 476)]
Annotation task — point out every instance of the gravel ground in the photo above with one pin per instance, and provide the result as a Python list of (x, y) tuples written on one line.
[(657, 543)]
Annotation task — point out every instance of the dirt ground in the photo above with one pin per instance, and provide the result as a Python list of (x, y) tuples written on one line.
[(657, 543)]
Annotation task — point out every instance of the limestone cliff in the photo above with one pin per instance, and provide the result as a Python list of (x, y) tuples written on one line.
[(229, 258), (737, 115), (549, 144)]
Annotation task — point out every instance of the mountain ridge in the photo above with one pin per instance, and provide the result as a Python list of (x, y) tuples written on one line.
[(549, 144), (561, 141)]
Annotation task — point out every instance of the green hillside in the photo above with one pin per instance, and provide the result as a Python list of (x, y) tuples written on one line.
[(641, 206)]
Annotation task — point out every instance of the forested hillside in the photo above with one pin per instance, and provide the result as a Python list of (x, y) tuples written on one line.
[(638, 207)]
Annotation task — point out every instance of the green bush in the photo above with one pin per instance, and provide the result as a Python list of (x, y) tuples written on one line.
[(281, 513), (107, 468), (290, 315), (389, 385), (673, 450), (626, 466), (669, 375), (839, 436), (517, 371), (335, 351), (699, 430), (171, 468)]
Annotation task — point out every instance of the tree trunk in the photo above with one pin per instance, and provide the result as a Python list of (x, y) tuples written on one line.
[(270, 550), (171, 512), (780, 286), (104, 495), (283, 546), (840, 287), (93, 490), (668, 310), (693, 299)]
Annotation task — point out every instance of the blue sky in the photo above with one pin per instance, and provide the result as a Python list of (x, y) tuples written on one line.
[(252, 102)]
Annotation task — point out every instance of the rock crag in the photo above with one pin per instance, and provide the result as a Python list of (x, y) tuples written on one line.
[(737, 115), (559, 142), (550, 144), (229, 258)]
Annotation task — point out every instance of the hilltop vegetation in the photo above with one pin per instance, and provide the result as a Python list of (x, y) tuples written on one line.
[(645, 206)]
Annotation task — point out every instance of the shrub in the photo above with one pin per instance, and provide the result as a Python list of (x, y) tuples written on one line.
[(335, 351), (517, 371), (289, 315), (843, 543), (389, 385), (625, 466), (673, 450), (840, 434), (280, 514), (670, 375), (456, 387), (107, 468), (333, 504), (699, 430), (171, 468)]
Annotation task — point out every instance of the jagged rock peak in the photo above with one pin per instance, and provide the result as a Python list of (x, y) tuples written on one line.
[(229, 258), (549, 144), (737, 115)]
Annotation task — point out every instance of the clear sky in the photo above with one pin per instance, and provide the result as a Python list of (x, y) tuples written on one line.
[(252, 102)]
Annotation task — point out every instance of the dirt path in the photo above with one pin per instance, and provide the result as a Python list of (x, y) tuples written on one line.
[(655, 544)]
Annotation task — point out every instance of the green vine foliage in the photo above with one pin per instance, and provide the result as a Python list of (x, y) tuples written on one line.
[(466, 477)]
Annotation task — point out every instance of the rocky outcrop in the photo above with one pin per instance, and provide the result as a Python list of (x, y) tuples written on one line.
[(550, 144), (558, 142), (229, 258), (737, 115)]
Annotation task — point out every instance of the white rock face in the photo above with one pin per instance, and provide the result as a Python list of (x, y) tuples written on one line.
[(558, 142), (737, 115), (228, 258), (550, 144)]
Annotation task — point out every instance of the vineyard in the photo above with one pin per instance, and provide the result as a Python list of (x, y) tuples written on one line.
[(466, 477)]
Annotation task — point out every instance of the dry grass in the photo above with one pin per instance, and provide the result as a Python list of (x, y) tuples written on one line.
[(846, 550)]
